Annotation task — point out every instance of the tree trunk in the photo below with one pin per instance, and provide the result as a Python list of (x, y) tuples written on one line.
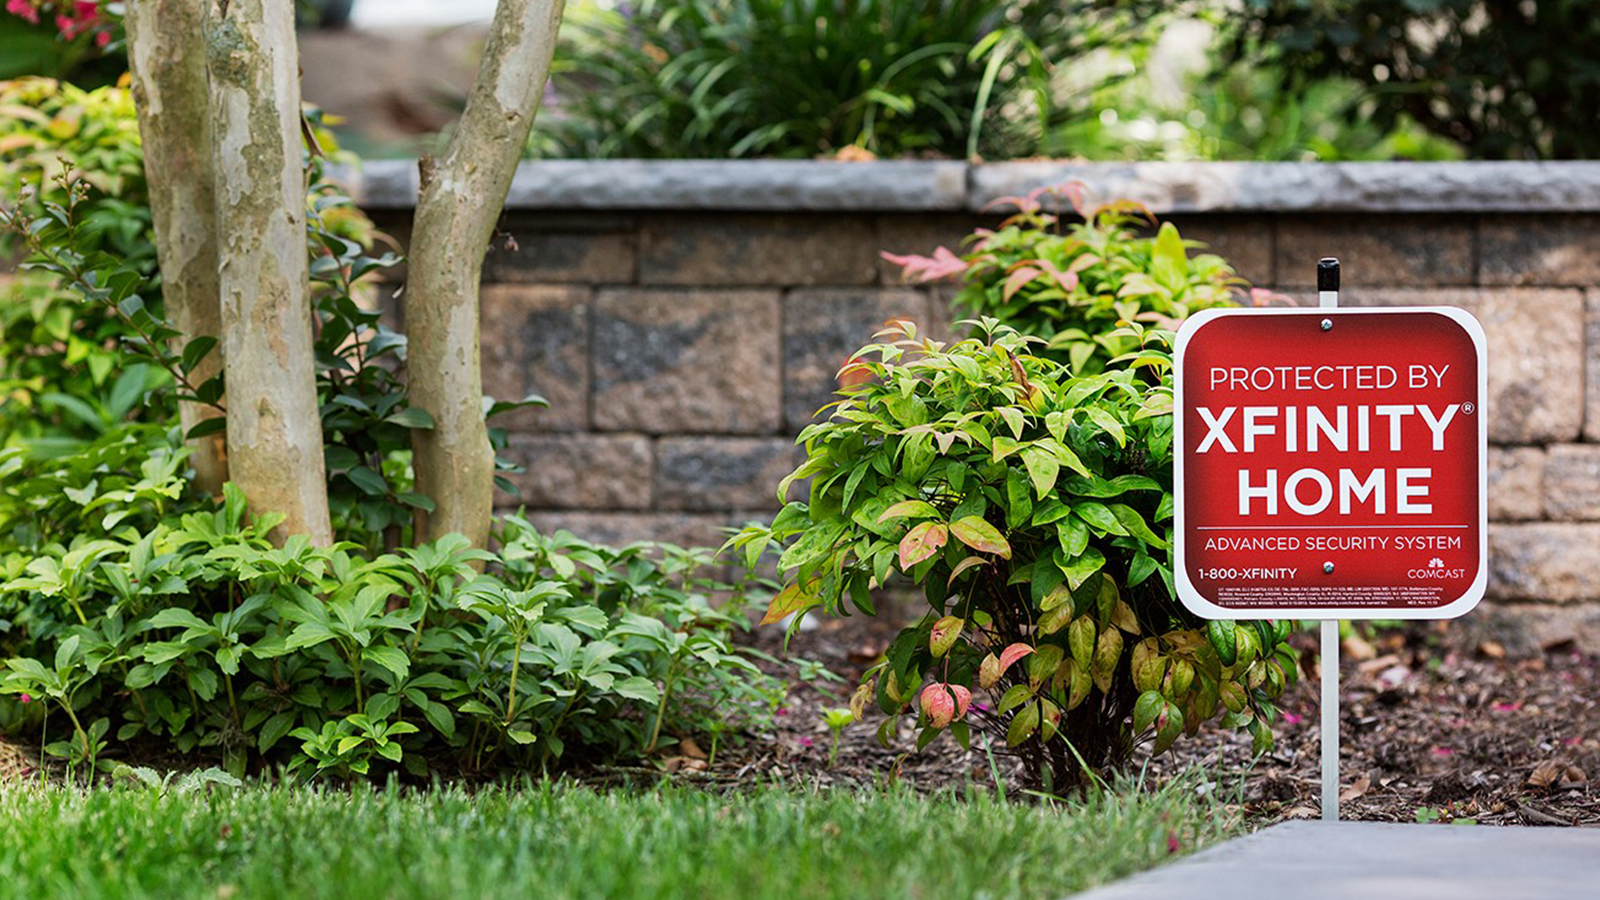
[(461, 197), (166, 53), (274, 429)]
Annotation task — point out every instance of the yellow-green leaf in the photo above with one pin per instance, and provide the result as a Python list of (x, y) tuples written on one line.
[(980, 536)]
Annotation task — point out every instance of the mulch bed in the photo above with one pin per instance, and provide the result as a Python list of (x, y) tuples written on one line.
[(1438, 724)]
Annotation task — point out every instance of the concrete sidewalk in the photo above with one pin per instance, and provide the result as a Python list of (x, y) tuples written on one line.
[(1380, 861)]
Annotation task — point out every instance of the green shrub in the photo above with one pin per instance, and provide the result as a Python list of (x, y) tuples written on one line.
[(1503, 80), (799, 78), (138, 618), (1072, 283), (1034, 510), (143, 621)]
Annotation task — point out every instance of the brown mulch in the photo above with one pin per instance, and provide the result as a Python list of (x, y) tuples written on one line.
[(1438, 724), (15, 762)]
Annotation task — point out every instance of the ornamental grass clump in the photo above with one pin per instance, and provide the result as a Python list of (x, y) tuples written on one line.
[(1034, 509)]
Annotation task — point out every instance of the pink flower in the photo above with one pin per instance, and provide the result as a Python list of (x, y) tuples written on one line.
[(102, 39), (1173, 844), (783, 711), (23, 9), (26, 699), (941, 264), (85, 9), (1291, 718), (807, 742)]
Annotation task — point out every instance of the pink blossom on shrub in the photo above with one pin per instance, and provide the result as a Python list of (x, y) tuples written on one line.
[(23, 9)]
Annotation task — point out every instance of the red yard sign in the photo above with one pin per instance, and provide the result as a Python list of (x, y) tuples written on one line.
[(1330, 463)]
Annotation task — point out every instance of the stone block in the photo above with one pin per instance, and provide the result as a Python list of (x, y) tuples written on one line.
[(1544, 561), (1244, 241), (1377, 251), (717, 473), (1535, 350), (581, 471), (776, 250), (1516, 483), (1572, 485), (823, 328), (1540, 250), (536, 341), (1591, 367), (686, 362), (553, 248)]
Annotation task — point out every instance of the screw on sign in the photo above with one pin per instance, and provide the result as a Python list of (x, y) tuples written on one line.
[(1331, 465)]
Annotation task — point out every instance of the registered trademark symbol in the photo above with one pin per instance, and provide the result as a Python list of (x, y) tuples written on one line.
[(1469, 407)]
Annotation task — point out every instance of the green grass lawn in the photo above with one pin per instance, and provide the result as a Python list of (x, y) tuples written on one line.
[(550, 842)]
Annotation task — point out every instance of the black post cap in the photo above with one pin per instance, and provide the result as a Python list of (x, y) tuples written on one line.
[(1327, 274)]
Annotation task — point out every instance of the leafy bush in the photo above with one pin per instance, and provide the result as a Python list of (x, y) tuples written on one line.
[(1072, 284), (739, 78), (1504, 80), (1034, 510), (141, 619), (136, 617), (48, 127)]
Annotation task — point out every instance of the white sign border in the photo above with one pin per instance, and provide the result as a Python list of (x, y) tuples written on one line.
[(1199, 605)]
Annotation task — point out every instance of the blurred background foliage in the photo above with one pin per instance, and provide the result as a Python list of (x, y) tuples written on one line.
[(990, 79)]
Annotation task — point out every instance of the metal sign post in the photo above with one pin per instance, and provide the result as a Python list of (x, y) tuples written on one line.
[(1328, 298), (1330, 464)]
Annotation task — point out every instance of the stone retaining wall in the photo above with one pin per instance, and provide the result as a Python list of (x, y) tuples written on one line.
[(685, 319)]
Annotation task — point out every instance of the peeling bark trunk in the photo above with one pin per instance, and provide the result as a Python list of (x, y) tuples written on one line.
[(166, 53), (460, 201), (274, 429)]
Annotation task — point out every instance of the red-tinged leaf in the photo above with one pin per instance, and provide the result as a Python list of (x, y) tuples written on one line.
[(938, 704), (788, 601), (980, 536), (920, 508), (943, 635), (1017, 279), (1011, 654), (963, 699), (920, 543), (964, 565)]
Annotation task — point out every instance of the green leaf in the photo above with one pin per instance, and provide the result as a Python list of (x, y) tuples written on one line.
[(638, 688), (1023, 725), (1145, 709), (1014, 697), (195, 351), (391, 658), (368, 481), (521, 736), (207, 427), (1043, 467), (909, 508), (412, 417), (1099, 516), (1079, 568)]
